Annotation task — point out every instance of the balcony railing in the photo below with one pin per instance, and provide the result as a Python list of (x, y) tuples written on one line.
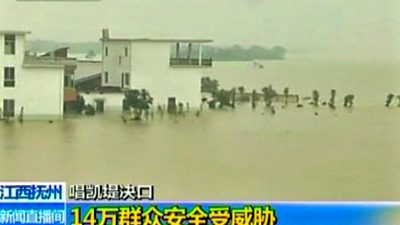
[(206, 62)]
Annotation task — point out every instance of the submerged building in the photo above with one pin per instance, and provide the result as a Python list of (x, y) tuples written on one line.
[(29, 85), (169, 69)]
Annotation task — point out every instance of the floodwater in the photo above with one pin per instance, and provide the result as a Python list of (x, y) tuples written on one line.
[(242, 154)]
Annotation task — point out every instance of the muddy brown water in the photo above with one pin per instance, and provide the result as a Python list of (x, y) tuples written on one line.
[(240, 154)]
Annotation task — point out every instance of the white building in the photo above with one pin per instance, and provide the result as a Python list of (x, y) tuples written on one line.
[(34, 86), (157, 65)]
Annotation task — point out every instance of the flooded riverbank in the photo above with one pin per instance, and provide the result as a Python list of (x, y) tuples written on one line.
[(228, 154), (237, 154)]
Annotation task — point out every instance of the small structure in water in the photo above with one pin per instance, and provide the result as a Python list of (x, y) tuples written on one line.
[(269, 94), (348, 100), (315, 98), (389, 99), (160, 111), (187, 107), (273, 110), (253, 99), (331, 103), (21, 115), (90, 110), (180, 108), (398, 97), (286, 94), (258, 65), (171, 106)]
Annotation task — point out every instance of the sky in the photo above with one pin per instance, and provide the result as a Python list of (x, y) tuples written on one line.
[(362, 25)]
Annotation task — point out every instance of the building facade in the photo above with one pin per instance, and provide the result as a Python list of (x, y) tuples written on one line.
[(169, 69), (31, 88)]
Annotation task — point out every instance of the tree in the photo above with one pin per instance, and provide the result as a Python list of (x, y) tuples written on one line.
[(209, 85), (139, 101), (225, 97), (241, 91), (269, 93)]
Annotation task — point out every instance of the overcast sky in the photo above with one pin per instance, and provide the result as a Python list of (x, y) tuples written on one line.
[(311, 24)]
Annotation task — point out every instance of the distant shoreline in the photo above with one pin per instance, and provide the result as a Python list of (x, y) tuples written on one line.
[(232, 53)]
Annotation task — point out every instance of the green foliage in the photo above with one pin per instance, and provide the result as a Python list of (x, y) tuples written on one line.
[(269, 93), (209, 85), (225, 97), (139, 101)]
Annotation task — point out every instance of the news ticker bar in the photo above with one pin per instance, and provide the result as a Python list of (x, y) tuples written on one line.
[(57, 192), (47, 203), (200, 213), (58, 0)]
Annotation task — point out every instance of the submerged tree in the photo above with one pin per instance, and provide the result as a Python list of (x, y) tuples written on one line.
[(348, 101), (225, 97), (253, 99), (80, 104), (138, 100), (209, 85), (389, 99), (315, 97), (398, 97), (269, 94), (332, 99), (286, 94)]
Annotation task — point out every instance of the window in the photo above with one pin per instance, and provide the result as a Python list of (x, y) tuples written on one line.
[(120, 60), (105, 77), (9, 108), (126, 51), (9, 44), (69, 81), (66, 81), (9, 77), (127, 81), (106, 51)]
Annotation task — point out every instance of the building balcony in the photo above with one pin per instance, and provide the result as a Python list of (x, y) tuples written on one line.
[(192, 62)]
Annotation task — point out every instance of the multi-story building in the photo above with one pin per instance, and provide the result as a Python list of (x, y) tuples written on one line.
[(169, 69), (31, 87)]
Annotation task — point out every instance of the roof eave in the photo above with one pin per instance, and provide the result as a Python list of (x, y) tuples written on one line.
[(14, 32)]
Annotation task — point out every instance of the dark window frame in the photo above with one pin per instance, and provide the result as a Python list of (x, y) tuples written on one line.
[(9, 44), (106, 77), (127, 79), (9, 76), (8, 107)]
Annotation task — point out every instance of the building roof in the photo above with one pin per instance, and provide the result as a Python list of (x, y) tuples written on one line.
[(88, 78), (168, 40), (43, 60), (58, 50), (38, 62), (14, 32), (27, 65)]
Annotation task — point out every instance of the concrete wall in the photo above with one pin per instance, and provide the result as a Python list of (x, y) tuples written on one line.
[(112, 63), (38, 90), (112, 101), (151, 71), (87, 68), (13, 60)]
